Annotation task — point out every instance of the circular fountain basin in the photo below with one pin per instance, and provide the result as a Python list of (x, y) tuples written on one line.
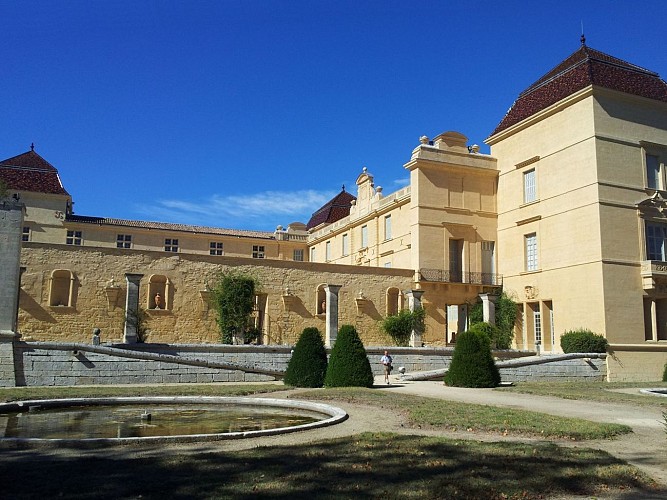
[(164, 418), (660, 391)]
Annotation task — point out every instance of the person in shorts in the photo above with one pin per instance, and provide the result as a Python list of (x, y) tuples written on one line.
[(386, 361)]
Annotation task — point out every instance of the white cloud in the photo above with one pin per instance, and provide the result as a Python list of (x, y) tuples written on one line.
[(261, 211)]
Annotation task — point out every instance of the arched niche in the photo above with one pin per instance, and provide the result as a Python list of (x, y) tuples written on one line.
[(160, 293), (394, 301), (62, 289), (321, 299)]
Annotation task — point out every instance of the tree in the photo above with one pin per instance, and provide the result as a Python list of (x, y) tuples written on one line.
[(234, 300), (399, 326), (472, 363), (348, 363), (308, 364)]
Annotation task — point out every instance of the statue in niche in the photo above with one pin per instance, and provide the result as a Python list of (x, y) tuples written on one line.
[(158, 301)]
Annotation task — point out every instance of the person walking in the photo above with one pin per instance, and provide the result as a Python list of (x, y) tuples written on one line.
[(386, 360)]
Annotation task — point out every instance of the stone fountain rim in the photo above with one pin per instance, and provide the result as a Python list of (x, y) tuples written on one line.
[(335, 415)]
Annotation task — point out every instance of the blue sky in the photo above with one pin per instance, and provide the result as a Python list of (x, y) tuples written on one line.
[(250, 114)]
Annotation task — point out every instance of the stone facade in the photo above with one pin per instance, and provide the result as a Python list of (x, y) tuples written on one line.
[(287, 301)]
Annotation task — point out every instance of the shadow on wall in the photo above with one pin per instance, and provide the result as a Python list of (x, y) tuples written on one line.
[(34, 309)]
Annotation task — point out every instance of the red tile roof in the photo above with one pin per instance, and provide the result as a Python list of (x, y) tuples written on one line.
[(30, 172), (584, 67), (105, 221), (335, 209)]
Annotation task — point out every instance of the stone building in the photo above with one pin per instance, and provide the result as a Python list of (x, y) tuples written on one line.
[(568, 208), (581, 222)]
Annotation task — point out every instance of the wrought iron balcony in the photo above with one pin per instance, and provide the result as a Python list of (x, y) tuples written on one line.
[(448, 276)]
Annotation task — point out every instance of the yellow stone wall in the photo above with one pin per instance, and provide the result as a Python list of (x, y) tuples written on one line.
[(627, 363), (188, 319)]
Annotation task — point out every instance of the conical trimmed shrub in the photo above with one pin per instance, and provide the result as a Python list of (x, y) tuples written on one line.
[(348, 363), (308, 363), (472, 364)]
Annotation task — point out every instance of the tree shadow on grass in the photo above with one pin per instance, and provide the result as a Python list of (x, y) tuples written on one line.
[(363, 466)]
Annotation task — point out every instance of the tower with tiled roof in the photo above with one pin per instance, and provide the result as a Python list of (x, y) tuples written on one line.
[(37, 184), (580, 152)]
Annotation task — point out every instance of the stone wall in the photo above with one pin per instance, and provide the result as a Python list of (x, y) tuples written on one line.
[(58, 364), (555, 368), (98, 295)]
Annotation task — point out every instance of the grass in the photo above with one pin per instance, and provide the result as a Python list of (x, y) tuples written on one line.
[(436, 413), (592, 391), (368, 465), (454, 416)]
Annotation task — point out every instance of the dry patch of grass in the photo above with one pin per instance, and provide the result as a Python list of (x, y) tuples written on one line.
[(452, 415), (602, 392)]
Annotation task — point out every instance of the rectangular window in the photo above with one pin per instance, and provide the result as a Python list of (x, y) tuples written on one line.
[(328, 251), (656, 235), (124, 241), (387, 227), (346, 244), (25, 236), (74, 237), (364, 236), (653, 175), (312, 254), (171, 245), (537, 318), (456, 261), (529, 186), (258, 251), (298, 255), (215, 248), (531, 252)]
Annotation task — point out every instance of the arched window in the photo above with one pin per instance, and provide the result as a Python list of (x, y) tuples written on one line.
[(160, 291), (62, 288), (321, 299), (394, 301)]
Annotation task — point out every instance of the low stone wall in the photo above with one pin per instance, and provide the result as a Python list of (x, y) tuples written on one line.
[(70, 364), (555, 368)]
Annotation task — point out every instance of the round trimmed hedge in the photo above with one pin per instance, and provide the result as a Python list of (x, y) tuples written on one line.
[(582, 340), (308, 364), (472, 363), (348, 363)]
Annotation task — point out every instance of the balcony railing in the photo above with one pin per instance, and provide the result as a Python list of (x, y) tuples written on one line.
[(448, 276)]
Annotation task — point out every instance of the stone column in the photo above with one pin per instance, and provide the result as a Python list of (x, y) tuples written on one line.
[(331, 314), (131, 307), (654, 320), (11, 229), (414, 303), (488, 308)]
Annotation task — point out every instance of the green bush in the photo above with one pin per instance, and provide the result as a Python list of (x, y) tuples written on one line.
[(472, 364), (664, 374), (348, 363), (399, 326), (491, 331), (582, 340), (308, 364), (234, 300)]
